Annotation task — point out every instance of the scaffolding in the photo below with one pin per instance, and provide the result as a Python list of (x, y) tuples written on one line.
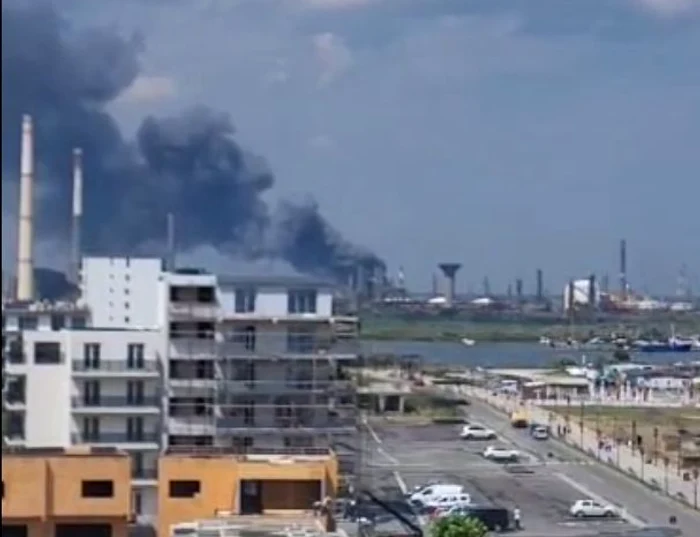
[(263, 384)]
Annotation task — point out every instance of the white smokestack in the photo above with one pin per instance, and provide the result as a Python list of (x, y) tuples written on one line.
[(25, 254), (77, 213)]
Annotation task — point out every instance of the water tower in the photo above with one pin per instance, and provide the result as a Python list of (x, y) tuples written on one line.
[(450, 272)]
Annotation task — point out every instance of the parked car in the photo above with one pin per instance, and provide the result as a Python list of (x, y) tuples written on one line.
[(449, 501), (477, 432), (493, 517), (425, 496), (591, 508), (501, 454), (541, 432)]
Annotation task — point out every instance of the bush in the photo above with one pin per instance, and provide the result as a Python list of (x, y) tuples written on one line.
[(458, 526)]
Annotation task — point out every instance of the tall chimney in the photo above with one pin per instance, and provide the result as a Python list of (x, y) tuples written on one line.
[(76, 248), (519, 290), (623, 267), (170, 253), (25, 242), (540, 285)]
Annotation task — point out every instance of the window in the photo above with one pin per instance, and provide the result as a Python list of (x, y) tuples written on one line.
[(245, 300), (137, 502), (134, 392), (184, 489), (15, 352), (97, 489), (15, 425), (3, 490), (91, 429), (135, 356), (134, 429), (301, 301), (47, 352), (91, 355), (91, 393), (28, 322), (79, 322), (127, 320), (58, 322), (16, 389)]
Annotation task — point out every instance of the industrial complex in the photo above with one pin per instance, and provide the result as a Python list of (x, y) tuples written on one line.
[(176, 402)]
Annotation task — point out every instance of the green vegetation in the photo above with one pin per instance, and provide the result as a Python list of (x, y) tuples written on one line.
[(458, 526), (431, 329)]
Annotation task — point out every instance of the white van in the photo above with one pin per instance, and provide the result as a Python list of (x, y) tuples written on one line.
[(451, 500), (430, 493)]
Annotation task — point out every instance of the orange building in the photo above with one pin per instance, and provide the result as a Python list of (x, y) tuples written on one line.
[(65, 493), (202, 486)]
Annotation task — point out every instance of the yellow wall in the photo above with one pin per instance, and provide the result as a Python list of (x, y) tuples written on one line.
[(46, 488), (220, 479)]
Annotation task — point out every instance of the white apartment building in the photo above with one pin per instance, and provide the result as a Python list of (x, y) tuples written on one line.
[(123, 292), (68, 385), (186, 360)]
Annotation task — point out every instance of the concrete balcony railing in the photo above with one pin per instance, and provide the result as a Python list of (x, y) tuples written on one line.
[(111, 438), (149, 367), (287, 345), (112, 401), (193, 310)]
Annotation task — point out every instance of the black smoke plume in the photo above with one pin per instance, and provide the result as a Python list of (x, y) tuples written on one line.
[(189, 165)]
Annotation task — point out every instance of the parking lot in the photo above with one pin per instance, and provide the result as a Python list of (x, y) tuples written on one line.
[(401, 457)]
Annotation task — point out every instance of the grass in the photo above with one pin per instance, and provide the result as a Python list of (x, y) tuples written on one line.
[(661, 428)]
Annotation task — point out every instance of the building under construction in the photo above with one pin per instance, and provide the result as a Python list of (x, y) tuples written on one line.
[(258, 366)]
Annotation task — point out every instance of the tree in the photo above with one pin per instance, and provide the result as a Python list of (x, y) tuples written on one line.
[(458, 526)]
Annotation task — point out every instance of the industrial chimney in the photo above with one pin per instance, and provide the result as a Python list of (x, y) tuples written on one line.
[(592, 295), (623, 268), (77, 214), (25, 242), (540, 286), (519, 290), (170, 253)]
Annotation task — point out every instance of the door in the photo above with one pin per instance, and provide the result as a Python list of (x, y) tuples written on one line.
[(14, 530), (251, 497), (83, 530)]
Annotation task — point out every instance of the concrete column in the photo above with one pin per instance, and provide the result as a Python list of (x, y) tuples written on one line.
[(402, 403)]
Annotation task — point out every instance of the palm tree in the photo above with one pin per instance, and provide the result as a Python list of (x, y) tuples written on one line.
[(458, 526)]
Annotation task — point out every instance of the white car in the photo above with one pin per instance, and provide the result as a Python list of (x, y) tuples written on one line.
[(540, 433), (590, 508), (444, 503), (501, 454), (477, 432)]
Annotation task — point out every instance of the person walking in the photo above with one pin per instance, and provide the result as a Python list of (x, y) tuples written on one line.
[(516, 517)]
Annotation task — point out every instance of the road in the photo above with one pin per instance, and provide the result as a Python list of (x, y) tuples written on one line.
[(551, 477)]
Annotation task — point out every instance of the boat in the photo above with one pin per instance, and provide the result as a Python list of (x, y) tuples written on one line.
[(695, 343), (673, 344), (468, 342)]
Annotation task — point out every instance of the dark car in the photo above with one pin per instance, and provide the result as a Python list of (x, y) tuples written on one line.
[(494, 518)]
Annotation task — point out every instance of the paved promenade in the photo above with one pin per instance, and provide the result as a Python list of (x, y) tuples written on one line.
[(664, 480)]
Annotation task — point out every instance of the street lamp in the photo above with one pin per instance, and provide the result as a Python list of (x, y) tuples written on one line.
[(656, 445), (580, 422), (666, 462), (696, 473), (634, 435), (641, 464)]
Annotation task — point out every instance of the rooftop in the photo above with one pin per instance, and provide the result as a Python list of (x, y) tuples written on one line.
[(282, 455), (73, 451), (43, 306)]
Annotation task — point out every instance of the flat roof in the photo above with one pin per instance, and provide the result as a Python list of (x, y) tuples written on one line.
[(276, 281), (249, 454), (73, 451)]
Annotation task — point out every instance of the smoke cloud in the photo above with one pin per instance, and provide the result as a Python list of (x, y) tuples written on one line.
[(189, 165)]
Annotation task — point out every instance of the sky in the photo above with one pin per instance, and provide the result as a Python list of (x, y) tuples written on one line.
[(507, 136)]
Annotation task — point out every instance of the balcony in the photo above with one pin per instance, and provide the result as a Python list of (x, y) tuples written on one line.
[(288, 345), (182, 311), (117, 405), (149, 440), (116, 368), (283, 387), (320, 424), (145, 474)]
